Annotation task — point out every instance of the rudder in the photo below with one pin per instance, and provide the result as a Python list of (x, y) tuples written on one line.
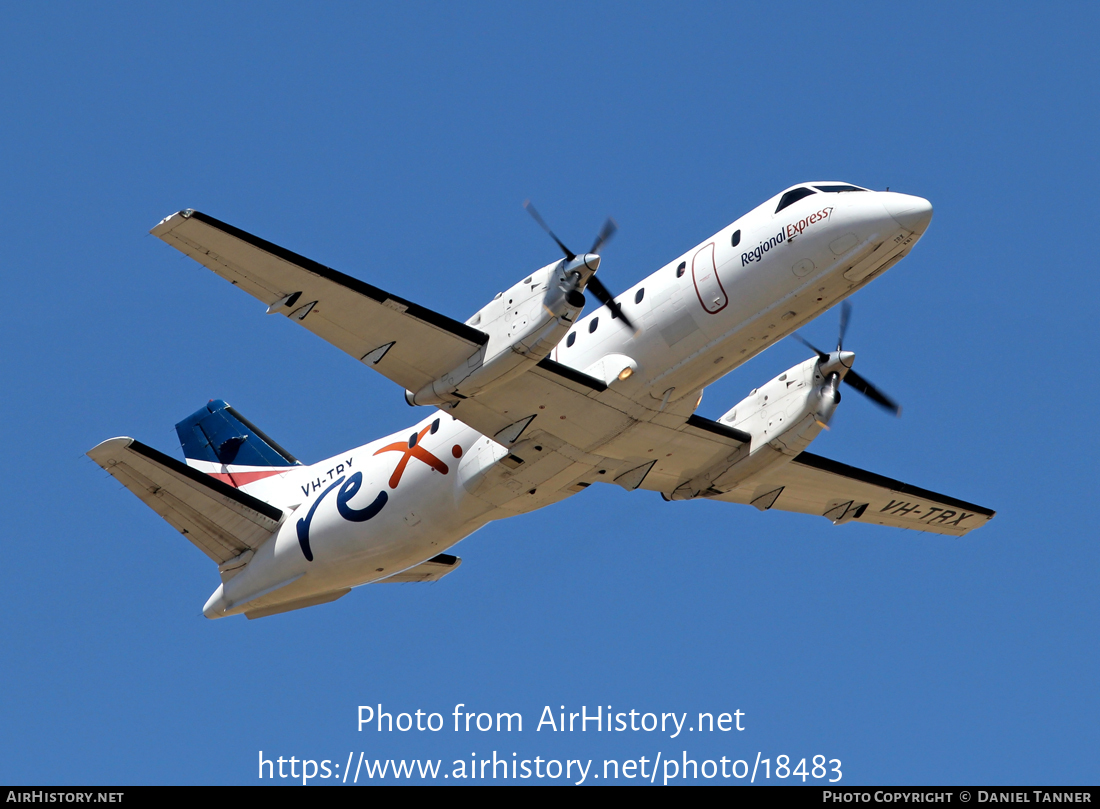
[(219, 441)]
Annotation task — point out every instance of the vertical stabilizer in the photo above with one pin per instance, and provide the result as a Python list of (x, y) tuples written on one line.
[(219, 441)]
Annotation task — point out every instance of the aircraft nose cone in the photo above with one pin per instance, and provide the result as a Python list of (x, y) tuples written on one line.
[(912, 213)]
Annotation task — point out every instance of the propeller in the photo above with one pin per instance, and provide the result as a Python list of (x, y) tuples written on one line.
[(845, 358), (569, 254), (602, 293), (606, 232)]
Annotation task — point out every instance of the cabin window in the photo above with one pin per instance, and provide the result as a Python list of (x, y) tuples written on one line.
[(735, 239), (639, 295), (592, 326), (793, 196), (572, 338), (681, 268)]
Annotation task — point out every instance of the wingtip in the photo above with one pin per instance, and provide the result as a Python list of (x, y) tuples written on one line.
[(101, 451), (169, 222)]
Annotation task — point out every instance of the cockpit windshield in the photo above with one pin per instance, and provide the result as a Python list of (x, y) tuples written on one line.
[(793, 196), (838, 188)]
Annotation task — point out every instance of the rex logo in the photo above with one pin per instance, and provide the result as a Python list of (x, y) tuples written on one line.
[(350, 487), (414, 450)]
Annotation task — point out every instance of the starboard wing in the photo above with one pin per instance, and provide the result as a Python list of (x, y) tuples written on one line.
[(811, 484)]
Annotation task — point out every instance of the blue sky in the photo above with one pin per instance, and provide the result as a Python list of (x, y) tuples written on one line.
[(397, 143)]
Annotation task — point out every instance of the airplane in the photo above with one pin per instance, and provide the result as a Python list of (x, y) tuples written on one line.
[(530, 403)]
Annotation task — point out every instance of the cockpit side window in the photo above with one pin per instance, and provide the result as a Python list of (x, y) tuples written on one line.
[(838, 189), (793, 196)]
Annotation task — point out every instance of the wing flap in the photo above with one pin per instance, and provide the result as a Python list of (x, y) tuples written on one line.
[(405, 342), (811, 484), (587, 415), (560, 406), (219, 520)]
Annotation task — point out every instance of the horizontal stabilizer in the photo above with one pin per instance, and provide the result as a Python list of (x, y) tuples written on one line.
[(220, 520), (297, 604), (433, 570)]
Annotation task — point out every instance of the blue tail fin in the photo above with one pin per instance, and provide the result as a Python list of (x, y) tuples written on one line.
[(219, 434)]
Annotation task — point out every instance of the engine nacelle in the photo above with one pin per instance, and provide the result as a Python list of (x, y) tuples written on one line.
[(774, 413), (524, 323), (782, 416)]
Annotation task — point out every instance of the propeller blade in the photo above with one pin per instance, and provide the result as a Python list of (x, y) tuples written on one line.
[(872, 393), (822, 354), (845, 314), (604, 296), (850, 376), (609, 228), (569, 254), (602, 293)]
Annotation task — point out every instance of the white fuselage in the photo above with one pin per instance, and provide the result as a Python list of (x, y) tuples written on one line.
[(384, 507)]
